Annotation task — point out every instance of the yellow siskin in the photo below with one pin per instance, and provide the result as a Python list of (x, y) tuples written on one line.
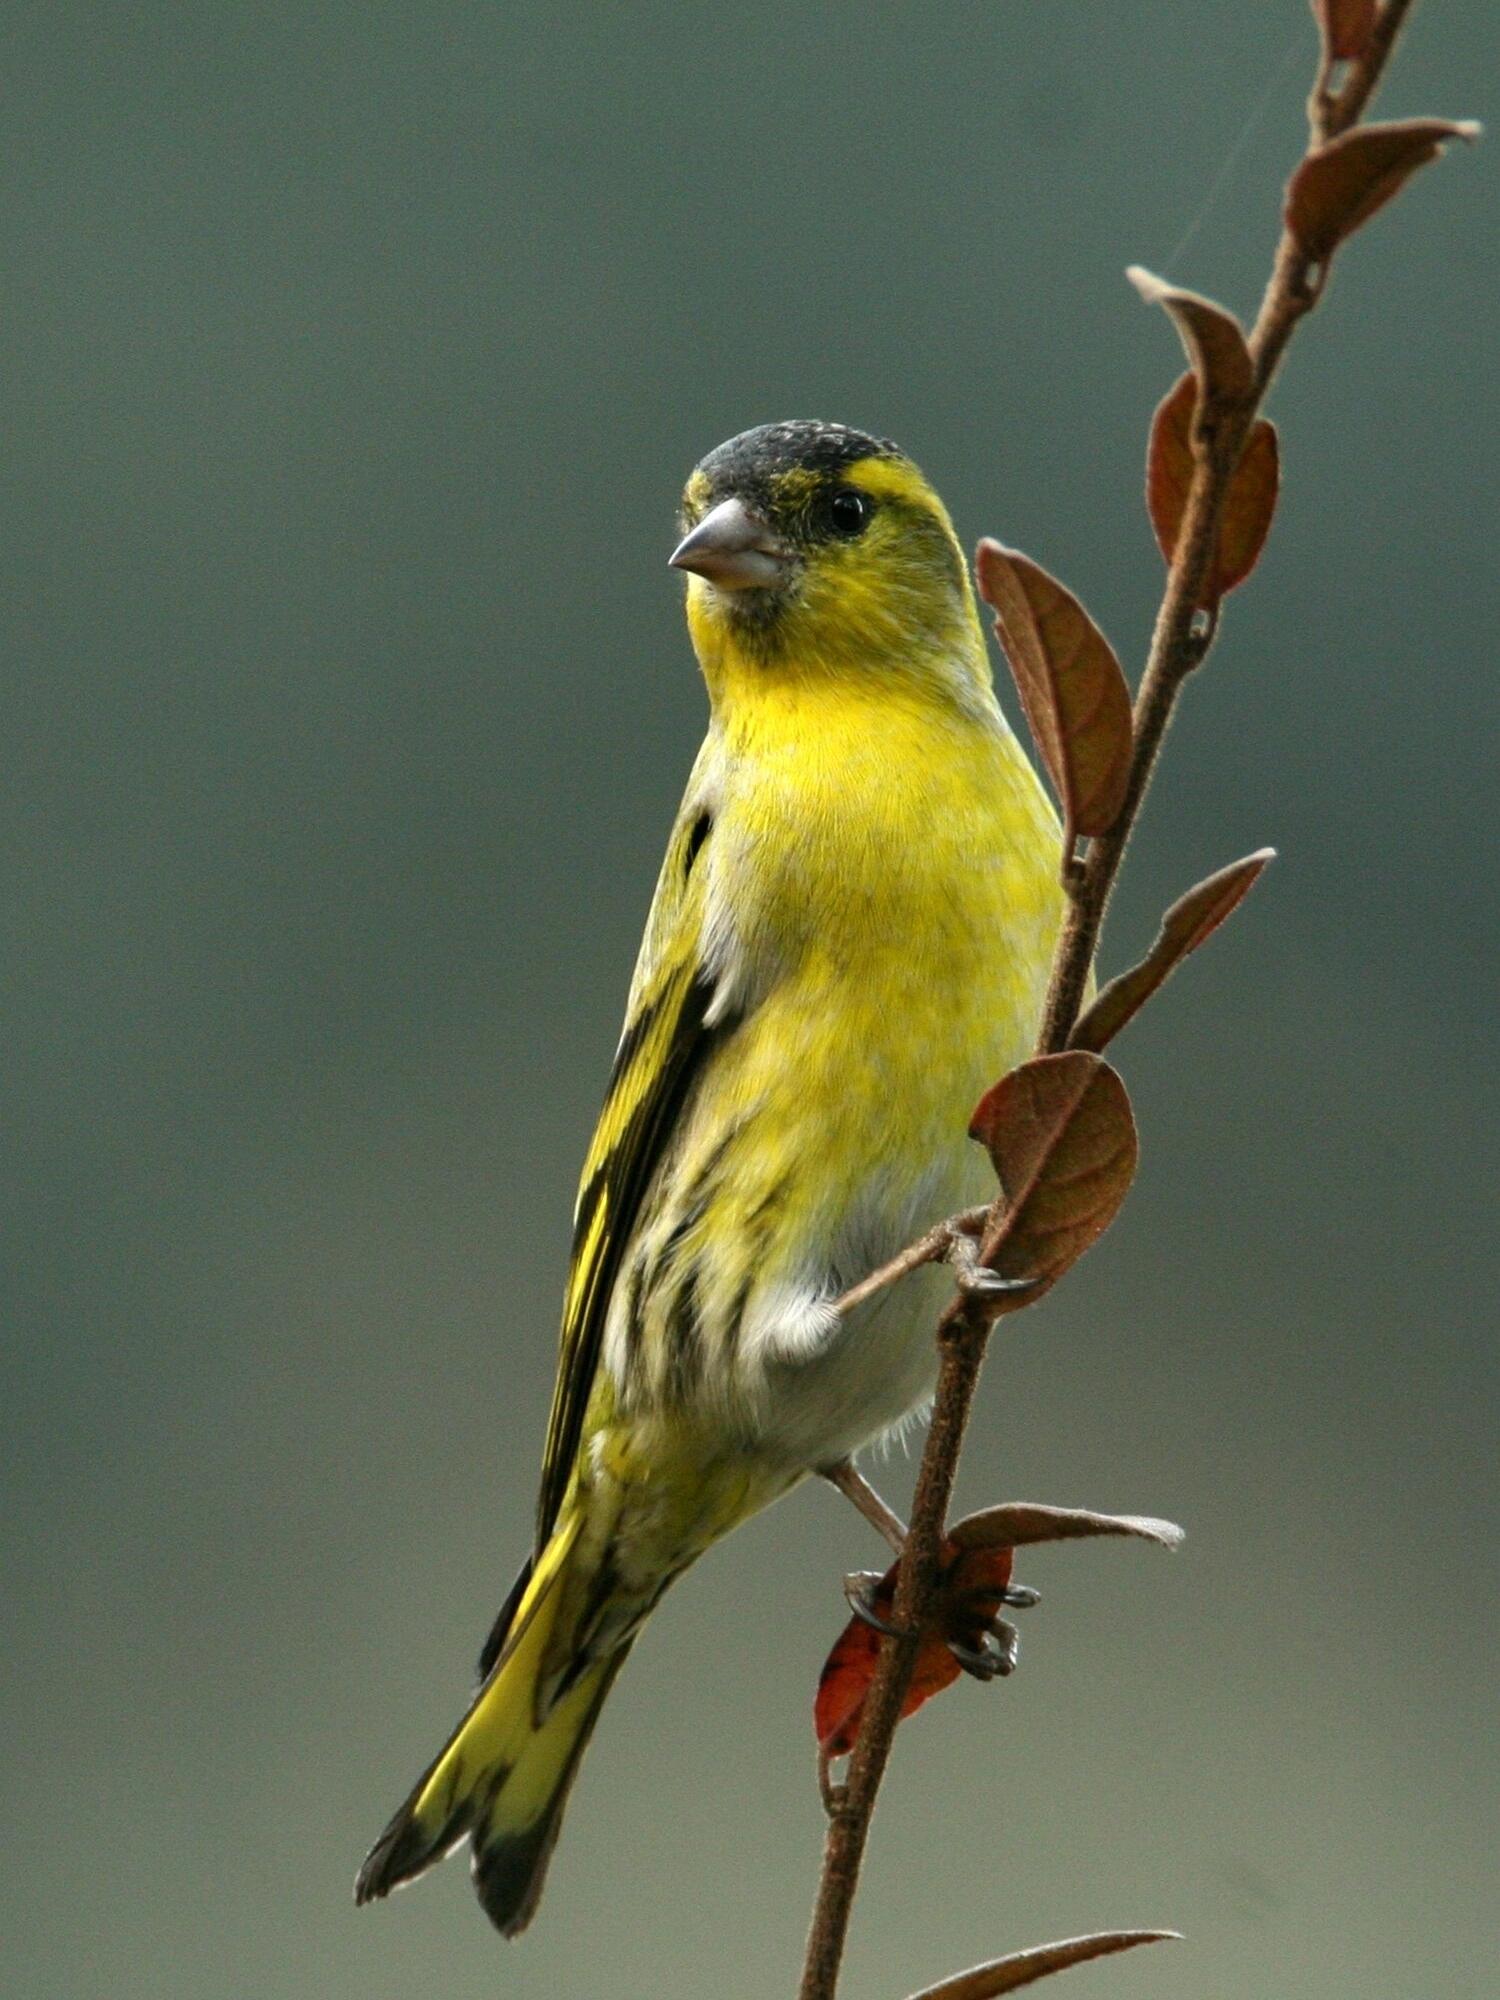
[(849, 941)]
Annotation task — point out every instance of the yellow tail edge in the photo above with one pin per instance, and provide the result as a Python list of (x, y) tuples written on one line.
[(502, 1778)]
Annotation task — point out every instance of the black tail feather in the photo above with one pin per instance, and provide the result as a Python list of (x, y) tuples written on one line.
[(404, 1851), (510, 1871)]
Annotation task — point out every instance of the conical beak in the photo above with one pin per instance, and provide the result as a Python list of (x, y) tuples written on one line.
[(734, 548)]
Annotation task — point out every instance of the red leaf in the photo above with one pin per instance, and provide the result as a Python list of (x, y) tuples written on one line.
[(1249, 503), (1004, 1975), (1341, 185), (1192, 919), (845, 1681), (1346, 26), (1063, 1143), (968, 1598), (1070, 685)]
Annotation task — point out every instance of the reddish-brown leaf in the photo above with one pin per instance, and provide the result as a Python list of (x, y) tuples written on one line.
[(1248, 505), (978, 1559), (968, 1598), (1021, 1522), (1210, 334), (1169, 463), (1063, 1143), (1005, 1975), (1346, 26), (1070, 685), (1342, 184), (838, 1707), (973, 1577), (1191, 920)]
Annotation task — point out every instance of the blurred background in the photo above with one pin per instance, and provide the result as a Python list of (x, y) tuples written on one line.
[(354, 356)]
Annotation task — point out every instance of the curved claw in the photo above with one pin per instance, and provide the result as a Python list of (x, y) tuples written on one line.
[(859, 1588), (985, 1662), (978, 1281), (1020, 1596)]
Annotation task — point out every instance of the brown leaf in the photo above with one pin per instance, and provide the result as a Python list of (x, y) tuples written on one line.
[(1248, 507), (1342, 184), (1169, 463), (1192, 919), (1070, 684), (1210, 335), (1249, 503), (1004, 1975), (1020, 1522), (1063, 1143), (1346, 26)]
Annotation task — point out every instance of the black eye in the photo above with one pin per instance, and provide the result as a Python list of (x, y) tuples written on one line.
[(848, 511)]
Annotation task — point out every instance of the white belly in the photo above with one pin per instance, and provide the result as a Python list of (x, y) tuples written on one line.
[(821, 1390)]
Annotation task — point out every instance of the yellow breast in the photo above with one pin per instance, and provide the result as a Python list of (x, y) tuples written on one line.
[(896, 885), (884, 900)]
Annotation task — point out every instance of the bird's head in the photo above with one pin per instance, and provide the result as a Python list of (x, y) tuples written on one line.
[(816, 552)]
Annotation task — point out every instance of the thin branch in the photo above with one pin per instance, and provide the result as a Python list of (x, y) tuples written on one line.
[(850, 1805), (1182, 637)]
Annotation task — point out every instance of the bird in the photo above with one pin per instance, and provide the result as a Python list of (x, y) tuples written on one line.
[(849, 941)]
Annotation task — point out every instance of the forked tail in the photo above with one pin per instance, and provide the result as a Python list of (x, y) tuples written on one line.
[(502, 1778)]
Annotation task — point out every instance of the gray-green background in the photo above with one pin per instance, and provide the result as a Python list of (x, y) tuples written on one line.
[(352, 359)]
